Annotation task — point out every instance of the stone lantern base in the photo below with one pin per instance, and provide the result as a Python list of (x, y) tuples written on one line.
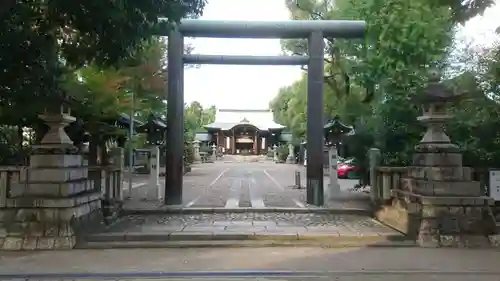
[(439, 205), (448, 208), (51, 202)]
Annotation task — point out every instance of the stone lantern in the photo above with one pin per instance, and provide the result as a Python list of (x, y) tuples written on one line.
[(54, 198), (304, 152), (448, 209), (333, 131), (275, 153), (196, 151), (155, 131)]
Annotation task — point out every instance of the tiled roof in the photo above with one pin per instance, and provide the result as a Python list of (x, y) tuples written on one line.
[(226, 119)]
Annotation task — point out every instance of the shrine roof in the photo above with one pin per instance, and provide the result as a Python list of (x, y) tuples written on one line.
[(226, 119)]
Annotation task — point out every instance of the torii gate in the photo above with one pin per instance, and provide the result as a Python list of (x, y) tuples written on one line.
[(314, 30)]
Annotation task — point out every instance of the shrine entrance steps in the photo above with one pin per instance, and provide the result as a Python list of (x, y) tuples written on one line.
[(245, 204), (245, 229)]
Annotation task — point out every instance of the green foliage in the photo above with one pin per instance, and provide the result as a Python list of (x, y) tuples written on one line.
[(282, 152), (369, 81), (195, 117), (43, 43), (205, 148), (188, 153)]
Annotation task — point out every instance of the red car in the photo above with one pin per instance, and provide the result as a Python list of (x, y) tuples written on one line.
[(348, 170)]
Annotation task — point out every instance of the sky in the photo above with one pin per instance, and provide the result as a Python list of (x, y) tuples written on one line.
[(253, 87)]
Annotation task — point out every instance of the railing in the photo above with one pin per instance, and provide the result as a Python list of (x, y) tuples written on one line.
[(112, 191), (386, 180), (107, 179), (9, 176), (389, 178)]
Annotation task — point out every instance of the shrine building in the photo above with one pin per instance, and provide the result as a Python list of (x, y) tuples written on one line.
[(247, 132)]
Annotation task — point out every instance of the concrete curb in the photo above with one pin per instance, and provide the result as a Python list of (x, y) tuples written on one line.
[(240, 244), (221, 210), (143, 240)]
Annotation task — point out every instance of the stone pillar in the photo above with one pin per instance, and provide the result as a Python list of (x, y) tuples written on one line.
[(233, 142), (305, 156), (374, 161), (228, 143), (290, 159), (196, 152), (275, 154), (220, 141), (52, 203), (214, 153), (154, 172), (315, 139), (118, 158), (258, 144), (333, 189), (254, 145)]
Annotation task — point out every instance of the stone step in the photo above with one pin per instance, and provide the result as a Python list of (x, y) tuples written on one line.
[(263, 229), (332, 242), (222, 210)]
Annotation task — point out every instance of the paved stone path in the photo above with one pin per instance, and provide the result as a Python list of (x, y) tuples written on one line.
[(252, 223), (239, 184)]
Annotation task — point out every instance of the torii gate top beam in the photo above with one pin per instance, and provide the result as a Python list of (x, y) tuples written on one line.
[(270, 29)]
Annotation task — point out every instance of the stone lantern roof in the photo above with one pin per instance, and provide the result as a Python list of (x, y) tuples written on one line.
[(334, 126)]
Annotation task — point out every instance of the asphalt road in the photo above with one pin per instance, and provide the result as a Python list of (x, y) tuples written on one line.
[(254, 264)]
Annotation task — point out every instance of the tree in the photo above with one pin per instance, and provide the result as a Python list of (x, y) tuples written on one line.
[(42, 42), (195, 117), (102, 95), (403, 39)]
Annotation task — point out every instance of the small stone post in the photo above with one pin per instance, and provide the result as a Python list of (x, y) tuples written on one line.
[(118, 157), (290, 159), (154, 172), (334, 186), (275, 154), (196, 151), (214, 152), (374, 161)]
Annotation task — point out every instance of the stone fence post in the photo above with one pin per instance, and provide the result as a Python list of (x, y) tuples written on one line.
[(374, 161)]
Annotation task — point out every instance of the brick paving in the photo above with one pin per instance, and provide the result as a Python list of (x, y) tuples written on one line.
[(237, 183)]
